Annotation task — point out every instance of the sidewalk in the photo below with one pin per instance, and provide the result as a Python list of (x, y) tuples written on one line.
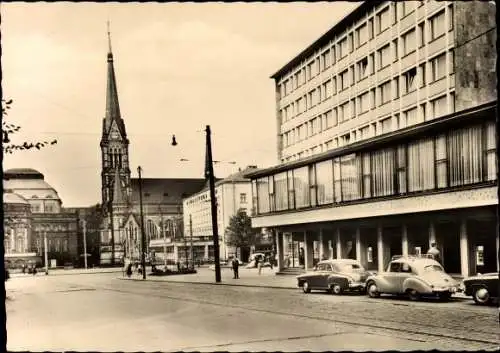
[(248, 278), (69, 271)]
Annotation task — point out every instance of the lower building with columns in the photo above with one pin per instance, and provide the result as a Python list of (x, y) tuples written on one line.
[(393, 194)]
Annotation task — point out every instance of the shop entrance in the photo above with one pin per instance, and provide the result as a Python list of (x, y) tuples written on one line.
[(393, 241), (448, 242), (418, 238), (295, 253), (482, 243)]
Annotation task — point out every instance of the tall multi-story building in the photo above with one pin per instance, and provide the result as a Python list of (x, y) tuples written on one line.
[(386, 139)]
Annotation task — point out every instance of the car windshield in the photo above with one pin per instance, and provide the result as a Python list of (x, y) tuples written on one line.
[(351, 268), (430, 268)]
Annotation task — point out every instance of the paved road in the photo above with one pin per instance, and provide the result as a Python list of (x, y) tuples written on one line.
[(100, 312)]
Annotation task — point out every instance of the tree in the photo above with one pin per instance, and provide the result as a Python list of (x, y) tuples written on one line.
[(93, 217), (9, 129), (240, 233)]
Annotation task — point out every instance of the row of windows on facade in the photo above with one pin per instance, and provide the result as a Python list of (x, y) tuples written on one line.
[(406, 43), (423, 112), (115, 158), (459, 157), (47, 208), (18, 246), (399, 84), (54, 245)]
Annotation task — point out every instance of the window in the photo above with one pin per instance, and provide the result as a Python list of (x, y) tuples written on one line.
[(437, 25), (438, 67), (395, 267), (490, 152), (344, 79), (243, 198), (383, 169), (439, 107), (409, 42), (351, 42), (421, 74), (362, 68), (364, 102), (328, 88), (401, 168), (411, 116), (450, 17), (384, 56), (362, 35), (301, 183), (370, 28), (331, 118), (312, 183), (281, 192), (326, 59), (421, 165), (351, 75), (324, 182), (291, 190), (421, 34), (383, 20), (350, 170), (367, 178), (464, 156), (263, 195), (386, 125), (451, 61), (343, 48), (395, 49), (385, 92), (407, 7), (441, 162), (344, 112), (409, 78)]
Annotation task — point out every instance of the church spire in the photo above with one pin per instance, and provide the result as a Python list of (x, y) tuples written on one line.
[(112, 105)]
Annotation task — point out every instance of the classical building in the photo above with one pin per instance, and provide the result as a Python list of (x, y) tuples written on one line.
[(386, 139), (161, 197), (33, 210)]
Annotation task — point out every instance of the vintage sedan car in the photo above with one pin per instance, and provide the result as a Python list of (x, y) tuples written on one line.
[(415, 276), (334, 276), (483, 288)]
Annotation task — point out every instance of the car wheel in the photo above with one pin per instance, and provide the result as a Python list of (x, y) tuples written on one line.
[(372, 290), (306, 288), (481, 296), (336, 289), (445, 296), (413, 294)]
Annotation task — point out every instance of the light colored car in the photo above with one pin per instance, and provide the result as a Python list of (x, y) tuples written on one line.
[(334, 276), (415, 276)]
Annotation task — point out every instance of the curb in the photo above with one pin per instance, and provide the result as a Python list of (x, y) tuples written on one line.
[(42, 273), (459, 298)]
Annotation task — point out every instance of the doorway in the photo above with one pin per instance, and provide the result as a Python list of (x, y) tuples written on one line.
[(448, 242), (482, 243)]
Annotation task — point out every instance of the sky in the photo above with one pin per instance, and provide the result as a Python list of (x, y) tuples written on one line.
[(179, 67)]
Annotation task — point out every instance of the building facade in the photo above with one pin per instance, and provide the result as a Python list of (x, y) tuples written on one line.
[(45, 218), (161, 197), (386, 139)]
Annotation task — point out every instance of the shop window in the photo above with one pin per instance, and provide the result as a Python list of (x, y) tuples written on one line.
[(441, 162), (350, 172), (263, 195), (280, 188), (324, 182), (301, 187), (490, 152), (464, 156), (291, 190), (383, 169), (421, 165)]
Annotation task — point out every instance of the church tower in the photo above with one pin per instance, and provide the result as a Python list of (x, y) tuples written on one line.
[(115, 171)]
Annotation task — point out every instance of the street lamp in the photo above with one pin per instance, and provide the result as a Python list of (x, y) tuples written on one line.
[(209, 174), (143, 257)]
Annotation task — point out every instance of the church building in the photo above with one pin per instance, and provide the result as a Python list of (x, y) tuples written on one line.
[(161, 197)]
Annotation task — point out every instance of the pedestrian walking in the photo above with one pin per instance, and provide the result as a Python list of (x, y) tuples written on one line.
[(129, 270), (235, 263), (434, 251)]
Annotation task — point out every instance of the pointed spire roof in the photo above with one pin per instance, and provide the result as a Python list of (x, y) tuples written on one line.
[(118, 195), (112, 104)]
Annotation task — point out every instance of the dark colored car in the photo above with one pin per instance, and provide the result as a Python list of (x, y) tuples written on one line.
[(483, 288), (334, 276)]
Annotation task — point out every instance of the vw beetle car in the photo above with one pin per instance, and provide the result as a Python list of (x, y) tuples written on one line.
[(414, 276), (483, 288), (334, 276)]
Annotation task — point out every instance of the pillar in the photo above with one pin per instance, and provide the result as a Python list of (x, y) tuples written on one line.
[(464, 249), (404, 240), (380, 249), (308, 253), (326, 245), (358, 244), (206, 251), (12, 240), (321, 245), (432, 233), (337, 243), (279, 250)]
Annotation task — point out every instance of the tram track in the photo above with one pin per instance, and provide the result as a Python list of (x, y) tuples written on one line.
[(399, 326)]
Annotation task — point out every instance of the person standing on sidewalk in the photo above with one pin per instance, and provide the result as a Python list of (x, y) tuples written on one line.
[(235, 264), (258, 263)]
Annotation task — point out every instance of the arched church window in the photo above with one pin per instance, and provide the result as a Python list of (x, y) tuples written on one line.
[(119, 160), (152, 230)]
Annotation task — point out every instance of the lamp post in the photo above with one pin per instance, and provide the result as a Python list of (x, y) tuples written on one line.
[(84, 242), (143, 246), (46, 257), (209, 174), (191, 237)]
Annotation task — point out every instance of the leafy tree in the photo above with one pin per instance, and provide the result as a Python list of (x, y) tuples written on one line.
[(9, 129), (93, 217), (240, 233)]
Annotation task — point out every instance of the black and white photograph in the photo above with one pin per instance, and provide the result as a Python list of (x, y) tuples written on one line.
[(250, 176)]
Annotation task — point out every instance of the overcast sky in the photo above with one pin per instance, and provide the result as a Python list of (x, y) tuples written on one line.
[(178, 66)]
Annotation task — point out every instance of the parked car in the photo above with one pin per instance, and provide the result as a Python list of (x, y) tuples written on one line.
[(334, 276), (483, 288), (415, 276)]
